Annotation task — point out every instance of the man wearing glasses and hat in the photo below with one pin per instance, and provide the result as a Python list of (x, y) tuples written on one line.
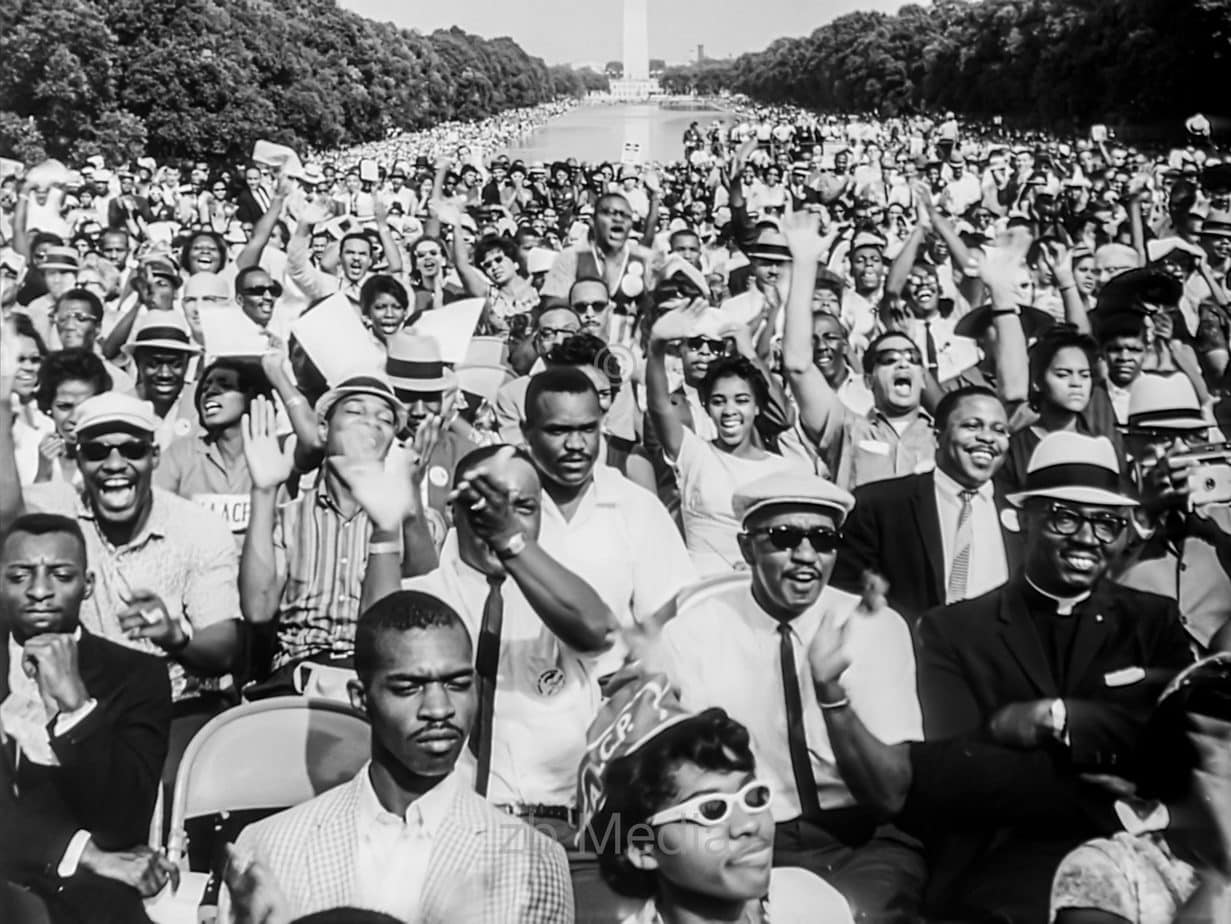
[(1187, 556), (794, 659), (1060, 658)]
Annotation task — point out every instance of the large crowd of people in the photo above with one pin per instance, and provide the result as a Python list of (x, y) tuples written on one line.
[(831, 524)]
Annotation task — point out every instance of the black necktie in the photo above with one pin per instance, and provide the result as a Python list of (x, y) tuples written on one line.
[(801, 763), (486, 664), (930, 345)]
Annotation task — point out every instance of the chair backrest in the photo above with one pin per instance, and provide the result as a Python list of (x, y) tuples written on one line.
[(274, 753)]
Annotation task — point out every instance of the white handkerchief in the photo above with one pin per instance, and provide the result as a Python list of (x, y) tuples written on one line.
[(1124, 677)]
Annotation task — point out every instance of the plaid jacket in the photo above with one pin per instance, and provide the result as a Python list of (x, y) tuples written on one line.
[(486, 867)]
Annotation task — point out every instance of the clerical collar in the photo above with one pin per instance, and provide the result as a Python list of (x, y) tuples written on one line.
[(1064, 605)]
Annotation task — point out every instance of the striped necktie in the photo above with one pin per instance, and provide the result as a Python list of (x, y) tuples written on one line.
[(962, 541)]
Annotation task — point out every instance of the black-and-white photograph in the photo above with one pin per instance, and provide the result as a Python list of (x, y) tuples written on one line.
[(631, 462)]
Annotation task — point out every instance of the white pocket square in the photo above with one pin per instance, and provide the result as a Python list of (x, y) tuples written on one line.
[(1124, 677)]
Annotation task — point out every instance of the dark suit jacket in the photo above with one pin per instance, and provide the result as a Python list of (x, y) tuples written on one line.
[(247, 207), (982, 654), (894, 530), (110, 765)]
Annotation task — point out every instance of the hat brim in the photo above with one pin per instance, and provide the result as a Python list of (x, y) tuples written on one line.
[(330, 398), (796, 500), (1034, 321), (176, 346), (1179, 422), (1076, 494), (61, 267), (772, 255)]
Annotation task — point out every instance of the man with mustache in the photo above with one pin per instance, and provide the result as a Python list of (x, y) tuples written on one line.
[(938, 537), (407, 836), (614, 535), (763, 649)]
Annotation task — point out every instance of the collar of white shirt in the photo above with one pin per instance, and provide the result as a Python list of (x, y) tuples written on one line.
[(1064, 605), (425, 814), (951, 489)]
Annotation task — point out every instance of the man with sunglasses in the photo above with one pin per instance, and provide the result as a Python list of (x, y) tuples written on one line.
[(1187, 556), (763, 649), (165, 569), (1060, 659), (257, 294)]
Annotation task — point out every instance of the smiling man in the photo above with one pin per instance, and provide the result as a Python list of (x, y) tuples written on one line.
[(1058, 658), (759, 649), (938, 537), (407, 836), (165, 569)]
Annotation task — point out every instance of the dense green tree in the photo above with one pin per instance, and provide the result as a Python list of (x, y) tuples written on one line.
[(1049, 62), (206, 78)]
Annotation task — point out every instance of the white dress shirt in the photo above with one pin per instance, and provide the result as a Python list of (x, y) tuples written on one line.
[(988, 566), (624, 544), (393, 853), (546, 693), (723, 650)]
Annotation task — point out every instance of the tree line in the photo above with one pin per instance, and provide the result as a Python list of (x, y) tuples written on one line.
[(205, 78), (1046, 62)]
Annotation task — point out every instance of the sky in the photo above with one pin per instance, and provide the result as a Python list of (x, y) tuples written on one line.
[(582, 31)]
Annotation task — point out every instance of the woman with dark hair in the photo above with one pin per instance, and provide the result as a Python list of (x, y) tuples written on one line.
[(384, 304), (680, 820), (1063, 367), (734, 394), (30, 426), (1167, 867), (497, 273), (208, 466), (204, 252), (428, 269), (67, 378)]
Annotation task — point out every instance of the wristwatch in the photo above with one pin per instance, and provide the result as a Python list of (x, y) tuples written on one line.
[(511, 549), (1059, 719)]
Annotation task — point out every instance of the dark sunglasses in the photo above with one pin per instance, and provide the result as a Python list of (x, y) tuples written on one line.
[(96, 452), (257, 291), (893, 357), (696, 343), (596, 307), (788, 538)]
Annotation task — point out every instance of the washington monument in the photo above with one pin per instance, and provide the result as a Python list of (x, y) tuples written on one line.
[(636, 40)]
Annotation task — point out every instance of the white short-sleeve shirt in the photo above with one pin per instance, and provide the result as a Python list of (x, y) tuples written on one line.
[(723, 650)]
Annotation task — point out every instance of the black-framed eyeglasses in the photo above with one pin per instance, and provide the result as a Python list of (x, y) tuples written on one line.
[(615, 213), (75, 317), (788, 538), (1065, 521), (94, 451), (1167, 437), (699, 343), (257, 291), (546, 333), (894, 356)]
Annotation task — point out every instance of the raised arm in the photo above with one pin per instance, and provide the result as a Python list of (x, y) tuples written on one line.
[(11, 502), (673, 326), (393, 253), (260, 578), (261, 231), (818, 403)]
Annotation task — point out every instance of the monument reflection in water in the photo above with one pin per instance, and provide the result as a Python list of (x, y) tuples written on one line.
[(595, 133)]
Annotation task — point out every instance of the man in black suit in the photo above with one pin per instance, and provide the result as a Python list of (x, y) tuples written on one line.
[(83, 735), (253, 199), (913, 530), (1060, 659)]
